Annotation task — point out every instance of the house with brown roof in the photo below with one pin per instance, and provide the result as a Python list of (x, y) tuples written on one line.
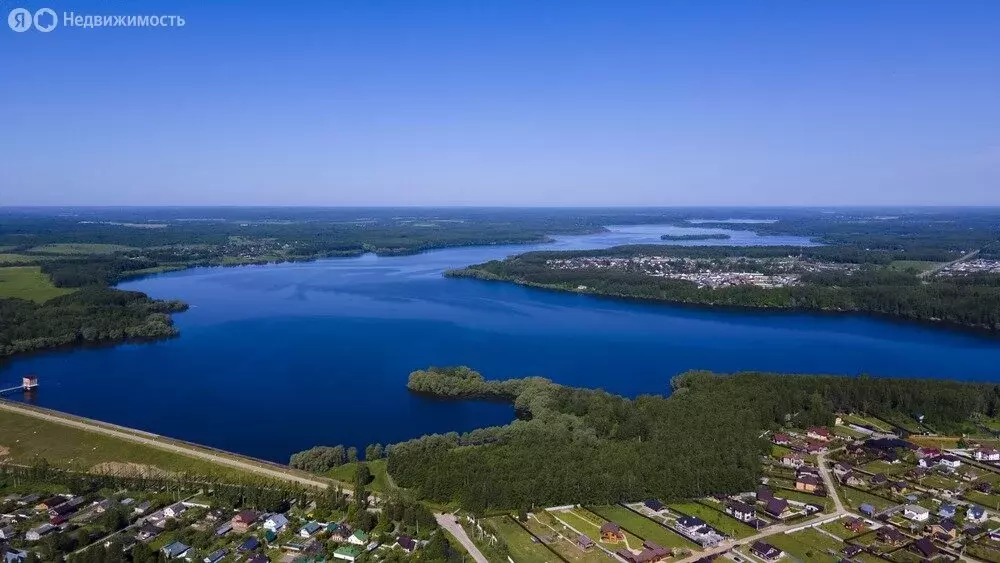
[(611, 533), (925, 548), (584, 543), (782, 439), (819, 433), (945, 529), (244, 520), (806, 482), (890, 535), (855, 525), (777, 507)]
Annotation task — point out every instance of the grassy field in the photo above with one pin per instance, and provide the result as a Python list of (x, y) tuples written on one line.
[(983, 551), (808, 545), (855, 498), (837, 528), (520, 544), (642, 526), (28, 282), (866, 422), (590, 524), (718, 520), (24, 438), (381, 482), (79, 249), (542, 526)]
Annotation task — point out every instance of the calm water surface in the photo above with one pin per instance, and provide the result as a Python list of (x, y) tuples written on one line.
[(274, 359)]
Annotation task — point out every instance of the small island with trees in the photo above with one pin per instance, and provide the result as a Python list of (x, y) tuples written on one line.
[(693, 237)]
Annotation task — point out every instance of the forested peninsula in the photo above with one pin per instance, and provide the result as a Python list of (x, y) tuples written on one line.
[(865, 282), (572, 445)]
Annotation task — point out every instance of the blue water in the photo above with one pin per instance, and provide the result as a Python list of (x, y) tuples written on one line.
[(274, 359)]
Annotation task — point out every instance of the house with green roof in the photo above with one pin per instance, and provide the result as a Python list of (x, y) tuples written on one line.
[(359, 537), (347, 553)]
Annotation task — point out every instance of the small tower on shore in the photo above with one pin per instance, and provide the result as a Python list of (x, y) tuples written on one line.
[(29, 382)]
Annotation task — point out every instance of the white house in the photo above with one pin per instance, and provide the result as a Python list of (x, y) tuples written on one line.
[(174, 510), (987, 454), (976, 514), (916, 513), (950, 461), (38, 533), (275, 523)]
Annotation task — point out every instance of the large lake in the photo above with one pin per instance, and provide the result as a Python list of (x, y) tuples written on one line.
[(278, 358)]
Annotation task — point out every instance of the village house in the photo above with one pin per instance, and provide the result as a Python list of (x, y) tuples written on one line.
[(310, 528), (879, 479), (928, 452), (976, 514), (250, 544), (852, 550), (174, 510), (890, 535), (806, 482), (360, 537), (39, 532), (984, 487), (651, 553), (7, 533), (815, 447), (916, 513), (945, 530), (986, 454), (946, 511), (764, 494), (929, 461), (689, 524), (244, 520), (819, 433), (611, 533), (782, 439), (740, 511), (175, 550), (852, 479), (653, 505), (584, 543), (840, 469), (777, 508), (867, 509), (950, 462), (855, 525), (925, 548), (766, 551), (148, 532), (275, 523), (793, 459), (899, 487), (347, 553), (215, 556), (50, 502), (10, 555), (407, 543)]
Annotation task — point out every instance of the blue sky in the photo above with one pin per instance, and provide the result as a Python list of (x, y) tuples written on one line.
[(542, 102)]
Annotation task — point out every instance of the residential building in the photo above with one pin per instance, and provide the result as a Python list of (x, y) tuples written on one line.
[(976, 514), (309, 529), (39, 532), (946, 511), (275, 522), (950, 462), (347, 553), (916, 513), (584, 543), (782, 439), (890, 535), (945, 529), (740, 511), (925, 548), (986, 454), (244, 520), (215, 556), (408, 544), (807, 483), (174, 550), (174, 510), (765, 551), (612, 533), (777, 507), (359, 537)]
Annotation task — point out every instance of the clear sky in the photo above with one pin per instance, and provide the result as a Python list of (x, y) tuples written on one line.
[(479, 102)]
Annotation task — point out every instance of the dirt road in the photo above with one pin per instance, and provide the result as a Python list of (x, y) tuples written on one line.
[(448, 522)]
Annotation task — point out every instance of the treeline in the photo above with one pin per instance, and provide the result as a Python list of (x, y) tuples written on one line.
[(972, 301), (463, 382), (321, 459), (89, 315), (589, 446)]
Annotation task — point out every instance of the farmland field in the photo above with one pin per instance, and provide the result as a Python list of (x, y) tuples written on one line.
[(79, 248), (28, 282)]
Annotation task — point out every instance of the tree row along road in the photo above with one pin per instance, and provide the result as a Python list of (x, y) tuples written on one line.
[(230, 460)]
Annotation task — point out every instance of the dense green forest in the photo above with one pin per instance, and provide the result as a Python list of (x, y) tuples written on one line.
[(89, 315), (588, 446), (972, 301)]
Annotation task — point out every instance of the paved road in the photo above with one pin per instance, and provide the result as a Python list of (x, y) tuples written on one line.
[(938, 268), (274, 472), (448, 522)]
